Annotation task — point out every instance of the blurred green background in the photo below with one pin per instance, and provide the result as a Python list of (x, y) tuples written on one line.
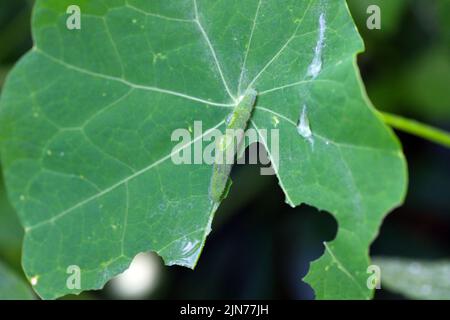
[(260, 247)]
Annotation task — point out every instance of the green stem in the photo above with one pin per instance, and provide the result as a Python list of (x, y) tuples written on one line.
[(416, 128)]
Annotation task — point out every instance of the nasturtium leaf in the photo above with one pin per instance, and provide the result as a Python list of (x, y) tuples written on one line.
[(12, 287), (415, 279), (87, 117)]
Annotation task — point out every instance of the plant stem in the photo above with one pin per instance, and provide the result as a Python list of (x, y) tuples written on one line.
[(416, 128)]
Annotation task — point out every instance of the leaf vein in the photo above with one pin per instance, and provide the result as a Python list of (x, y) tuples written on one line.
[(121, 182), (130, 84)]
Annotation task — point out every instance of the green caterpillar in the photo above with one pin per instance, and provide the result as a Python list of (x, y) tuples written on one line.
[(236, 122)]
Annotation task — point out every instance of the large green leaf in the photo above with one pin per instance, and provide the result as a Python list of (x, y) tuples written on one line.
[(415, 279), (12, 287), (87, 115)]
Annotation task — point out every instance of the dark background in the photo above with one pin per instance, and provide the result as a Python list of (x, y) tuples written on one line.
[(260, 248)]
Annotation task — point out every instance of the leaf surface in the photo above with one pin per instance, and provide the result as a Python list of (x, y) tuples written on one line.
[(87, 116)]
